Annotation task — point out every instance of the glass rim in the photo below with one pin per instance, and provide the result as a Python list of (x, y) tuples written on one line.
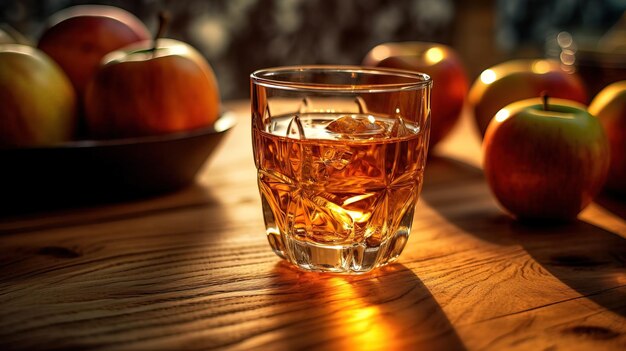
[(264, 78)]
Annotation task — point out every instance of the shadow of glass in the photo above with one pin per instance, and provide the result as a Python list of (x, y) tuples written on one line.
[(388, 309), (587, 258)]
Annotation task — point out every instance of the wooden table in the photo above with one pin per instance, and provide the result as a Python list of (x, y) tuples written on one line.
[(193, 270)]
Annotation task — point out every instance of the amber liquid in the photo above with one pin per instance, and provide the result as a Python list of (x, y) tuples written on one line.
[(337, 202)]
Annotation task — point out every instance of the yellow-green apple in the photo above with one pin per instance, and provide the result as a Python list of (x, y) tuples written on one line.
[(78, 37), (442, 64), (517, 80), (545, 160), (38, 104), (610, 108), (141, 90)]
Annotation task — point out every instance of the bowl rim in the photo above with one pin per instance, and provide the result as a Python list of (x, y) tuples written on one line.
[(225, 121)]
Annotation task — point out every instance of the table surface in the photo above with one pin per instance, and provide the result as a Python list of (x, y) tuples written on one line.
[(193, 270)]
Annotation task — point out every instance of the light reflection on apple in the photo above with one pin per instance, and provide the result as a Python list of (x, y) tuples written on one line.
[(488, 76), (502, 115), (434, 55), (541, 67), (380, 53)]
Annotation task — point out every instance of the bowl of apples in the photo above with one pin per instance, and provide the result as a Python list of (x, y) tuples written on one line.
[(85, 120)]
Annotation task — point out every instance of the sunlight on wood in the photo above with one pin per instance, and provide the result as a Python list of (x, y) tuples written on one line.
[(362, 324)]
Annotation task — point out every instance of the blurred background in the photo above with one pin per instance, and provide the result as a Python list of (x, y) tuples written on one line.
[(240, 36)]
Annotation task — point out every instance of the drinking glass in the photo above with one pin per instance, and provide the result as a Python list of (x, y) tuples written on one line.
[(340, 153)]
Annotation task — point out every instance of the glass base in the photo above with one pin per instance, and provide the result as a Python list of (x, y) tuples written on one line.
[(352, 259)]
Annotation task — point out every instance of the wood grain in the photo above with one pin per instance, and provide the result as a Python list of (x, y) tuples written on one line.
[(192, 270)]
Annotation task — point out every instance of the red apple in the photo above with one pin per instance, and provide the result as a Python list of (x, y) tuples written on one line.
[(610, 108), (517, 80), (545, 161), (445, 68), (139, 91), (38, 103), (77, 38)]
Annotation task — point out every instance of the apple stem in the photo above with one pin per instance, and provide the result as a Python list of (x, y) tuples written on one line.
[(544, 96), (163, 22)]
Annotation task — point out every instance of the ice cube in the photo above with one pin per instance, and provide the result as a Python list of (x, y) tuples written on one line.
[(337, 157), (357, 127), (399, 128), (295, 129)]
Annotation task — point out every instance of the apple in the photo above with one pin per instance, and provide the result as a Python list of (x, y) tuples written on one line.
[(610, 108), (78, 37), (546, 160), (144, 90), (445, 68), (38, 102), (517, 80)]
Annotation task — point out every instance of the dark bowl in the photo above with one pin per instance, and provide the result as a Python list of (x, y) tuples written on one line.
[(96, 171)]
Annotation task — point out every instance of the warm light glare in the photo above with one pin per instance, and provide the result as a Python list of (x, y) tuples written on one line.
[(434, 55), (380, 52), (365, 313), (502, 115), (541, 67), (357, 198), (488, 76), (180, 50), (358, 216), (621, 279)]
